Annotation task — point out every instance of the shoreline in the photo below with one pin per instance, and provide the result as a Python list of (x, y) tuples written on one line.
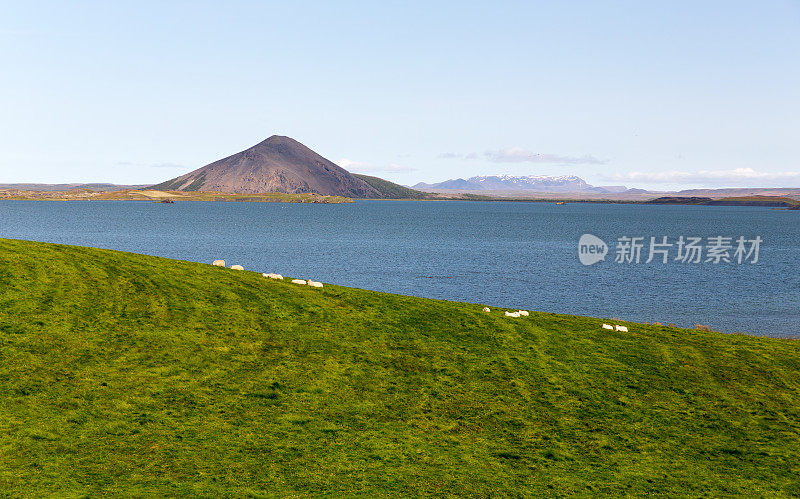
[(157, 196)]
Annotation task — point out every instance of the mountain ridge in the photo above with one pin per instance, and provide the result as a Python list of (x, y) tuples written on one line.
[(277, 164), (505, 182)]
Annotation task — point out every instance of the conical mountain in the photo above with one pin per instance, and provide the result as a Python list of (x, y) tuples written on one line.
[(278, 164)]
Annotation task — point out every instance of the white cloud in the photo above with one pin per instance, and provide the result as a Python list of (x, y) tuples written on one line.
[(521, 155), (359, 167), (346, 163), (737, 176)]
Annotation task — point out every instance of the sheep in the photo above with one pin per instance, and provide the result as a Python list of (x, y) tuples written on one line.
[(314, 284), (621, 328), (273, 276), (219, 263), (237, 267), (608, 326), (701, 327), (512, 314), (523, 313), (486, 309), (298, 281)]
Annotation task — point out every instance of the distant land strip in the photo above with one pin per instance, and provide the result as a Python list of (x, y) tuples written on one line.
[(167, 196)]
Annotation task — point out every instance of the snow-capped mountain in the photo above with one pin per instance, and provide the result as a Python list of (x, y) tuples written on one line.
[(539, 183)]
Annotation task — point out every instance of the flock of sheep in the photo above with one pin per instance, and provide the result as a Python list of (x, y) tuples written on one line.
[(316, 284), (309, 282), (525, 313), (518, 313)]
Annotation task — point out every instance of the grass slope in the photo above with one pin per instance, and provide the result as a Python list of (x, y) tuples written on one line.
[(123, 374), (390, 190)]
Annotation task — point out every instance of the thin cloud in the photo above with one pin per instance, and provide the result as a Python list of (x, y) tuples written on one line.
[(167, 165), (18, 32), (521, 155), (368, 167), (156, 165), (737, 176)]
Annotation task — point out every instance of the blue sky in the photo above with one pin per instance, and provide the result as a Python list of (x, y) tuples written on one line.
[(647, 94)]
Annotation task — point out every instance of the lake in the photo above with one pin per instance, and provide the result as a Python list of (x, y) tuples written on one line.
[(520, 255)]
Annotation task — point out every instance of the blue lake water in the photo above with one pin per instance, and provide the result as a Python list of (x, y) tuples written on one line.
[(521, 255)]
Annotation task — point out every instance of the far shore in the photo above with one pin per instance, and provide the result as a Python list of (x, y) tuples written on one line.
[(161, 196), (166, 196)]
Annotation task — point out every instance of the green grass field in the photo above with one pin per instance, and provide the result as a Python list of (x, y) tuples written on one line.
[(130, 375)]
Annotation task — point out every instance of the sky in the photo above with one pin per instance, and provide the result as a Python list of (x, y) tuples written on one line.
[(656, 95)]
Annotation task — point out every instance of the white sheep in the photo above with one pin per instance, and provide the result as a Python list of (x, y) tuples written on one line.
[(523, 313), (621, 328), (608, 326), (237, 267), (314, 284), (486, 309), (298, 281), (512, 314), (273, 276), (219, 263)]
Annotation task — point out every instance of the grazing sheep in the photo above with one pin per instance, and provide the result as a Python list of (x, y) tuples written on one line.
[(486, 309), (298, 281), (273, 276), (523, 313), (219, 263), (512, 314), (701, 327), (608, 326), (237, 267), (314, 284), (621, 328)]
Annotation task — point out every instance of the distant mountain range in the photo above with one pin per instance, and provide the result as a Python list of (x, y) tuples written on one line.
[(534, 183), (282, 164)]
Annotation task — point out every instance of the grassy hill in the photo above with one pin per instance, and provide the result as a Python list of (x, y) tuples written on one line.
[(123, 374), (390, 190)]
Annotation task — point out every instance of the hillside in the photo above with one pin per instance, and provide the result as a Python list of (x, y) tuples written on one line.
[(767, 201), (390, 190), (278, 164), (124, 374)]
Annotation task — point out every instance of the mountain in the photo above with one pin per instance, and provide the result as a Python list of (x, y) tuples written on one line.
[(278, 164), (537, 183)]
